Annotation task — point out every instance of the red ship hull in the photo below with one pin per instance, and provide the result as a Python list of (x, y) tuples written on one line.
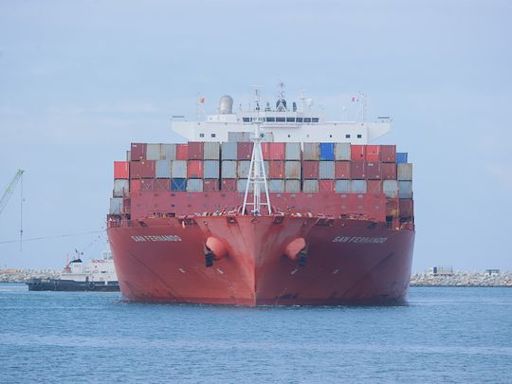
[(264, 260)]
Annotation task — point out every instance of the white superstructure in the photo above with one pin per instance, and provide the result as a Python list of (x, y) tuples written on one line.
[(96, 270), (281, 123)]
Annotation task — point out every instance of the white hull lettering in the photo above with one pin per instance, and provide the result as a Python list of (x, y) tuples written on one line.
[(359, 240), (142, 238)]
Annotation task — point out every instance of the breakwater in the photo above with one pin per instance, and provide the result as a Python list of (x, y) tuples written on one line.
[(24, 275), (462, 279)]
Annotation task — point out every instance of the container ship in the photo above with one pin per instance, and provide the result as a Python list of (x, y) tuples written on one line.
[(270, 205)]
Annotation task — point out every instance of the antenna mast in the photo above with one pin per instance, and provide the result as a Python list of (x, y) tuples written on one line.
[(257, 176)]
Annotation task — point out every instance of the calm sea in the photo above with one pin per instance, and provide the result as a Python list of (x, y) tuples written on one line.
[(444, 335)]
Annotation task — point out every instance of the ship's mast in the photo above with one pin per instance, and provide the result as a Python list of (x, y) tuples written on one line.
[(257, 176)]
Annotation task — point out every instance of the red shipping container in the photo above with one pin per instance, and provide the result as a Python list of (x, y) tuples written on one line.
[(372, 153), (357, 152), (144, 169), (392, 207), (406, 208), (211, 185), (134, 186), (195, 169), (388, 171), (147, 185), (276, 170), (373, 171), (310, 169), (162, 185), (244, 150), (265, 149), (342, 170), (277, 151), (388, 153), (195, 150), (374, 186), (121, 170), (326, 185), (228, 185), (181, 151), (138, 151), (358, 170)]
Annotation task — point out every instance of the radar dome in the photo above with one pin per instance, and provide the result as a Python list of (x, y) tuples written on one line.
[(226, 105)]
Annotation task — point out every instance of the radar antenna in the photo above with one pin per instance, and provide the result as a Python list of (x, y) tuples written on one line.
[(257, 176)]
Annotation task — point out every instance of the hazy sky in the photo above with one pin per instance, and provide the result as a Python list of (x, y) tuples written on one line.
[(80, 80)]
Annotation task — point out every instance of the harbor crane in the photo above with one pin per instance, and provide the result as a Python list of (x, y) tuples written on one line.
[(18, 178)]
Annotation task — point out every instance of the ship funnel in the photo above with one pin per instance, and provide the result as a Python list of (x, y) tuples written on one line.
[(226, 105)]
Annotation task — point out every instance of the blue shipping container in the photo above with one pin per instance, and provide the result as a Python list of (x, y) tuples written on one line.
[(401, 157), (178, 185), (326, 151)]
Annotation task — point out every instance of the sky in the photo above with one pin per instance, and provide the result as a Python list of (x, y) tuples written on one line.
[(81, 80)]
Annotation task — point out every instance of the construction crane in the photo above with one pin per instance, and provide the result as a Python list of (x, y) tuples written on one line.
[(18, 178)]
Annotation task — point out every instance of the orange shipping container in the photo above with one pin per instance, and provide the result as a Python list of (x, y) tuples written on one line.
[(276, 169), (357, 152), (181, 151), (121, 170), (195, 169), (372, 153)]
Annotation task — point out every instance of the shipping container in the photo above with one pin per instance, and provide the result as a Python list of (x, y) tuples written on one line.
[(168, 151), (292, 170), (142, 169), (358, 170), (178, 184), (163, 169), (243, 168), (392, 207), (401, 157), (153, 151), (116, 205), (134, 186), (239, 136), (241, 184), (311, 151), (138, 151), (405, 189), (228, 185), (326, 185), (374, 186), (406, 208), (128, 156), (121, 170), (162, 185), (181, 151), (276, 186), (388, 171), (244, 150), (211, 169), (372, 153), (326, 170), (390, 188), (342, 170), (310, 169), (229, 150), (121, 188), (292, 186), (404, 171), (211, 150), (194, 185), (357, 152), (179, 169), (195, 169), (228, 170), (292, 151), (147, 185), (195, 150), (358, 186), (211, 185), (277, 151), (310, 186), (373, 171), (342, 151), (277, 169), (388, 153), (342, 186), (326, 151)]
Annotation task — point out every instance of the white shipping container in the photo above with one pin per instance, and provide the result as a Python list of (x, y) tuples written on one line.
[(390, 188), (241, 184), (116, 205), (168, 151), (342, 186), (326, 170), (292, 151), (292, 170), (229, 169), (163, 169), (358, 186), (194, 185), (229, 150), (342, 151), (152, 151), (211, 150), (276, 185), (128, 155), (310, 186), (405, 189), (243, 169), (404, 171), (211, 169), (178, 169), (121, 187), (292, 186), (311, 151)]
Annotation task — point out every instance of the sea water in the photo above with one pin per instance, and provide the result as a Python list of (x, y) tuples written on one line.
[(443, 335)]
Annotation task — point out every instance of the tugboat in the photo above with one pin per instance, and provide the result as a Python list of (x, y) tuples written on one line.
[(95, 275)]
